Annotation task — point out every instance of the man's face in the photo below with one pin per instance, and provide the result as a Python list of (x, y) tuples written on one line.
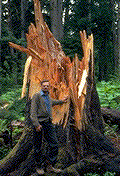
[(45, 86)]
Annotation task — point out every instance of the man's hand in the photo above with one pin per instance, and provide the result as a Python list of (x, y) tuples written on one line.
[(65, 99), (39, 128)]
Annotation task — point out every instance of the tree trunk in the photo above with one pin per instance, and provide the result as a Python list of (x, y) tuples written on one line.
[(60, 22), (116, 37), (118, 34), (83, 145), (66, 15), (9, 17), (54, 19), (0, 29), (114, 34), (23, 9), (102, 61)]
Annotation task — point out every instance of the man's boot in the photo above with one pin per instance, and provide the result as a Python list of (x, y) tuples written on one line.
[(40, 171), (50, 168)]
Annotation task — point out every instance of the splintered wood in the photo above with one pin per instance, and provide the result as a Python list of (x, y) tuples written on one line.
[(46, 60)]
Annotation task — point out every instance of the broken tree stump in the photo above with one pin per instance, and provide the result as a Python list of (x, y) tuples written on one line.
[(84, 144)]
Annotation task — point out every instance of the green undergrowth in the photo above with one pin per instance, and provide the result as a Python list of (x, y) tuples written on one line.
[(109, 93), (106, 174), (12, 108), (10, 96)]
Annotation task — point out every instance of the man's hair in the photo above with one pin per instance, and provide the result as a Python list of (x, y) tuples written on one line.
[(45, 80)]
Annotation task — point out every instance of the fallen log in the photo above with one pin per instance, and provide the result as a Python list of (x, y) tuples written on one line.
[(111, 115)]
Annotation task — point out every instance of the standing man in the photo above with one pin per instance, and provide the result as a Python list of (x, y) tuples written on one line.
[(41, 116)]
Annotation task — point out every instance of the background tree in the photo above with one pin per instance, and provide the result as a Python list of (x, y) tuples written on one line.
[(118, 37), (56, 15)]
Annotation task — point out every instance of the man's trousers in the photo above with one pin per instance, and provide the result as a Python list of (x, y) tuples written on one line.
[(49, 133)]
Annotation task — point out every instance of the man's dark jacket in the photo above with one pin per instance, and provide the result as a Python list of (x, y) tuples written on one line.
[(38, 112)]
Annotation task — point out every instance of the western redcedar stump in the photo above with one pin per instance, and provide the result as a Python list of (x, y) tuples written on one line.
[(83, 145)]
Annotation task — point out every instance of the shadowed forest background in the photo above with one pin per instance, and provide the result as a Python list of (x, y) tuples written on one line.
[(65, 19)]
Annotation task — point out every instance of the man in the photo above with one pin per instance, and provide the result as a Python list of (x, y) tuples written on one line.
[(41, 116)]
